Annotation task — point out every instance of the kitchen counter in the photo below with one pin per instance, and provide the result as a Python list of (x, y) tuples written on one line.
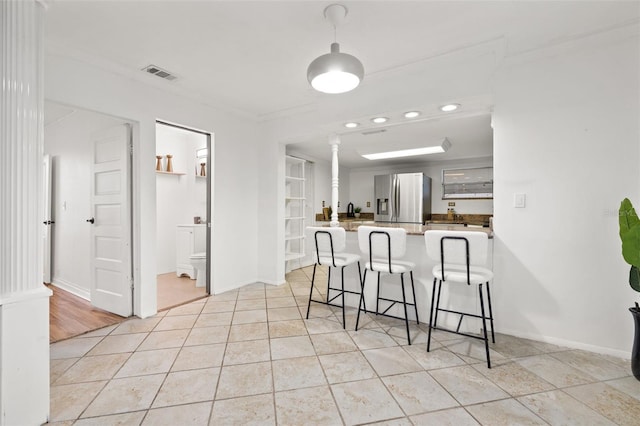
[(411, 228)]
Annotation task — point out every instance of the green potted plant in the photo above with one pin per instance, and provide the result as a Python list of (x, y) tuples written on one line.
[(357, 211), (630, 236)]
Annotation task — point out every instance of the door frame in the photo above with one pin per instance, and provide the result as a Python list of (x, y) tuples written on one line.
[(134, 206), (209, 136)]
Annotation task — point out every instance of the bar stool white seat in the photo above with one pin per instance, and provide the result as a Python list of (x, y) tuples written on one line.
[(385, 248), (461, 257), (330, 243)]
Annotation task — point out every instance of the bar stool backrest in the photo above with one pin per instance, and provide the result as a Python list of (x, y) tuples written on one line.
[(455, 252), (327, 242), (380, 243)]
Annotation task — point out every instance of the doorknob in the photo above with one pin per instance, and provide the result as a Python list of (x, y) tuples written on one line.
[(92, 220)]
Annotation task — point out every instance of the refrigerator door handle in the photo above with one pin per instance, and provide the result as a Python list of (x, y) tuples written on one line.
[(394, 192), (397, 199)]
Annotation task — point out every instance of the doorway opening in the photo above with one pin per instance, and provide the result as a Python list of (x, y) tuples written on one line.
[(87, 229), (183, 212)]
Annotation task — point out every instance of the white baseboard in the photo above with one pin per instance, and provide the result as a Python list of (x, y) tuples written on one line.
[(231, 287), (272, 282), (72, 288), (568, 343)]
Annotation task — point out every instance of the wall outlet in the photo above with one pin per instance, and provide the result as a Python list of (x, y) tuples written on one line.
[(519, 201), (368, 203), (452, 203), (322, 203)]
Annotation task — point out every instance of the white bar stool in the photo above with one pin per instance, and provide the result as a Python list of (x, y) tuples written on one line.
[(385, 247), (330, 244), (461, 256)]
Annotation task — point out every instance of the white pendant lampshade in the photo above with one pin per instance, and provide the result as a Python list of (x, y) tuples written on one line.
[(335, 72)]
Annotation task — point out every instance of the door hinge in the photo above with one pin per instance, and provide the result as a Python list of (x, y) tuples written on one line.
[(131, 282), (131, 148)]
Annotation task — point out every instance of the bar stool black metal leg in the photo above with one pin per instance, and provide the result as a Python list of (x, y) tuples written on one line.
[(364, 278), (313, 278), (433, 300), (328, 282), (344, 322), (364, 302), (378, 295), (404, 304), (484, 326), (435, 319), (493, 336), (415, 303)]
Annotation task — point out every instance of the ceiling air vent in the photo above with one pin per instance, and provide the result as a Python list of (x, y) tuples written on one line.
[(372, 132), (159, 72)]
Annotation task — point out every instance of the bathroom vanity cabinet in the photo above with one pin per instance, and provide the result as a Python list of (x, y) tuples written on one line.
[(190, 239)]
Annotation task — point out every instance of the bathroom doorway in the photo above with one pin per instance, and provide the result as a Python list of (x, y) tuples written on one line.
[(183, 212)]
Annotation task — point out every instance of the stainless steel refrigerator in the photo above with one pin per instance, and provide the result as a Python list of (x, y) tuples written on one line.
[(402, 198)]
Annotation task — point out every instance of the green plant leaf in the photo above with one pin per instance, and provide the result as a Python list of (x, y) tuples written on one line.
[(631, 246), (627, 217), (634, 278)]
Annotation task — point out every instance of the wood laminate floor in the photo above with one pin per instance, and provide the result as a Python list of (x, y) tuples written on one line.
[(70, 316), (174, 291)]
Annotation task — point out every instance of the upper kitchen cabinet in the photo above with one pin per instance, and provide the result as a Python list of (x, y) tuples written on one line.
[(468, 183), (294, 208)]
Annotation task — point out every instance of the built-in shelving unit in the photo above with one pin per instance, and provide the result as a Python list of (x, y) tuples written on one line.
[(294, 209)]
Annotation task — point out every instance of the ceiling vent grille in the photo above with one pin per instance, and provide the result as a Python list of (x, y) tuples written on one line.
[(159, 72), (373, 132)]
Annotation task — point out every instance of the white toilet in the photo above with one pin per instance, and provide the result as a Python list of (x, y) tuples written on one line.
[(199, 263)]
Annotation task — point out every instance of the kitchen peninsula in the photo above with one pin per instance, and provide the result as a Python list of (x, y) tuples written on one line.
[(456, 297)]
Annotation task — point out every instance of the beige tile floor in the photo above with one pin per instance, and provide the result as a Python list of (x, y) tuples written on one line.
[(249, 357)]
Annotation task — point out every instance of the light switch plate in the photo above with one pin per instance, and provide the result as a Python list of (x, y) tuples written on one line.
[(368, 203), (519, 200)]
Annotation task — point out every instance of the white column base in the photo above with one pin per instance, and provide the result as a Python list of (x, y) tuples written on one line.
[(24, 358)]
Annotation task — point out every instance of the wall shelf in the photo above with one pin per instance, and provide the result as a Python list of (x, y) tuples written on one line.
[(160, 172), (294, 209)]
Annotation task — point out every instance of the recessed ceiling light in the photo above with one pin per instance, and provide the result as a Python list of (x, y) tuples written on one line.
[(441, 147), (379, 120), (351, 125), (449, 107), (411, 114)]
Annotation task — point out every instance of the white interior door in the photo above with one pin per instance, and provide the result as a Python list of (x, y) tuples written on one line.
[(46, 217), (112, 283)]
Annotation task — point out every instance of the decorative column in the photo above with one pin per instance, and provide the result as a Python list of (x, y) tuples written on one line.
[(334, 141), (24, 300)]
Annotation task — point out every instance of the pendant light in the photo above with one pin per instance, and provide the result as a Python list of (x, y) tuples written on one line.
[(335, 72)]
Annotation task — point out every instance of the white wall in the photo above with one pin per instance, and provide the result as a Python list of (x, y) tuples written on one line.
[(179, 198), (362, 188), (566, 134), (68, 142), (235, 191)]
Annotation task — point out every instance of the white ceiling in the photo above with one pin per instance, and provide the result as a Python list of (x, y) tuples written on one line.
[(251, 58)]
